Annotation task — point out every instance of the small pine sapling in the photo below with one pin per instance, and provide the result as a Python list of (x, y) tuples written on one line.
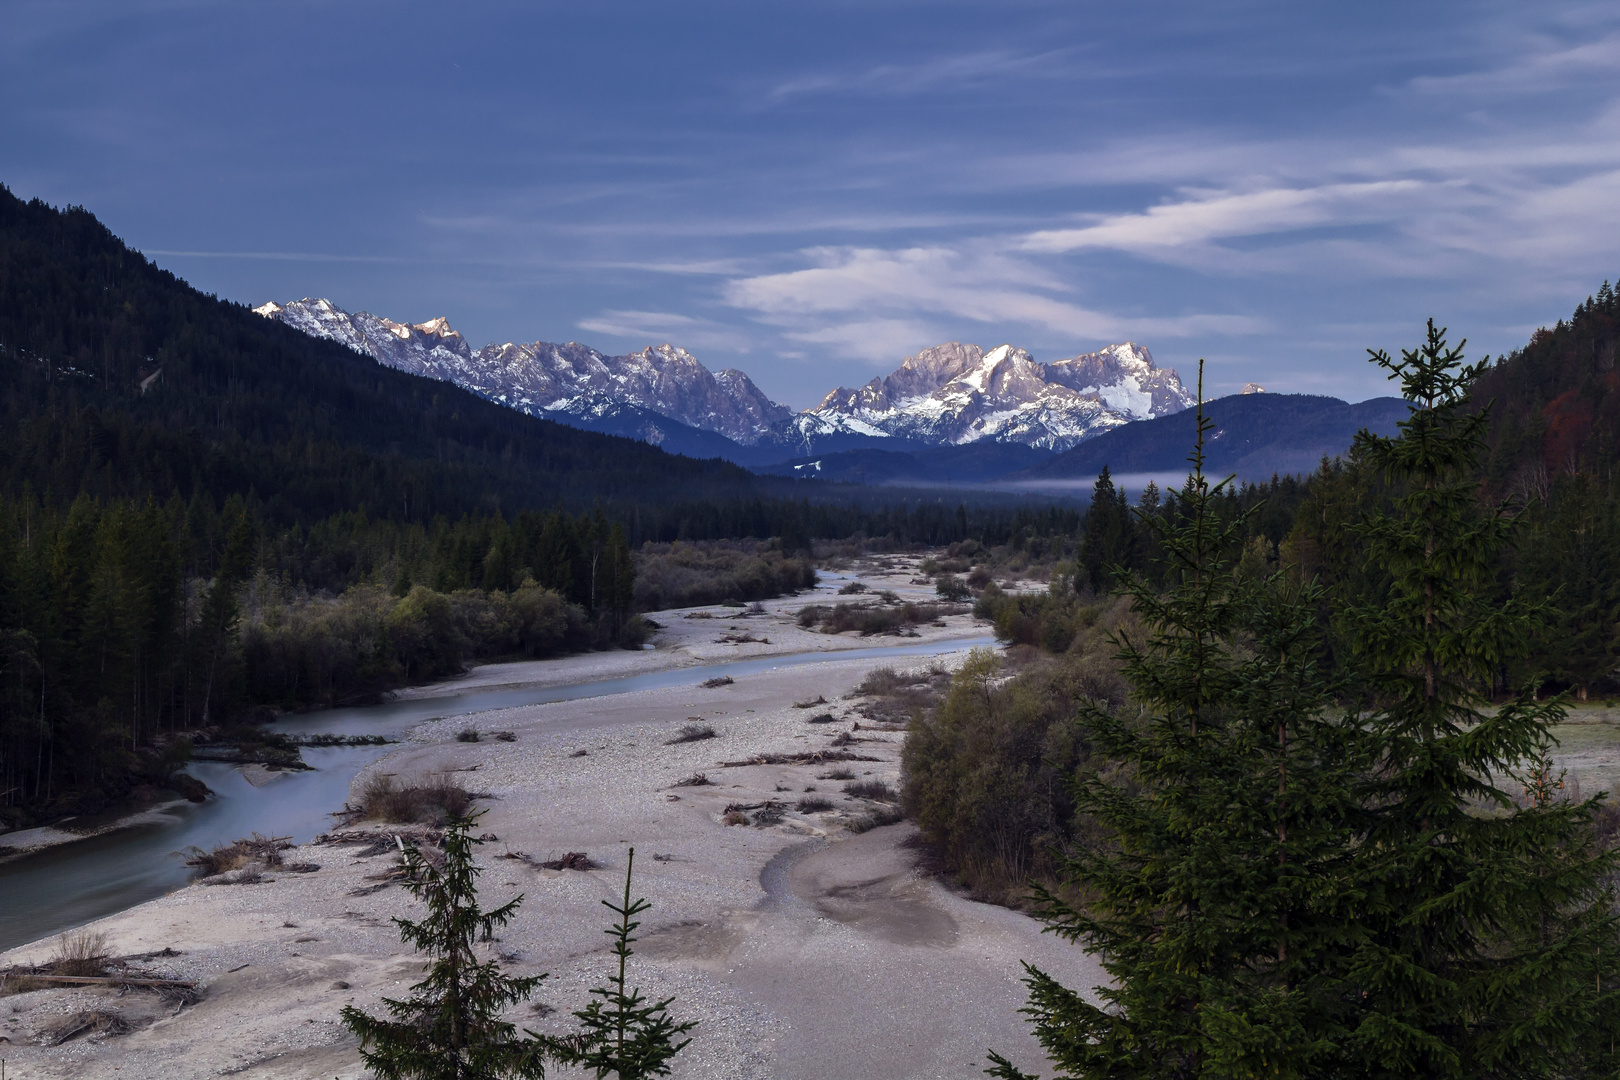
[(622, 1034)]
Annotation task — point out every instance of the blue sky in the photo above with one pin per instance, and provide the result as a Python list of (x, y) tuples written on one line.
[(811, 192)]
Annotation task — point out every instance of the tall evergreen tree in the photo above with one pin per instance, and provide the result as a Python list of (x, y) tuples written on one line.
[(1214, 905), (1490, 945), (451, 1029), (1108, 533)]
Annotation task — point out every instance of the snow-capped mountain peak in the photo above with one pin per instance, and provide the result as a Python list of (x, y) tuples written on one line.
[(542, 378), (953, 393), (959, 393)]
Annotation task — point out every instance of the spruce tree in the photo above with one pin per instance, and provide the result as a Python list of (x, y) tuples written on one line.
[(451, 1028), (1108, 533), (622, 1034), (1490, 946), (1215, 905)]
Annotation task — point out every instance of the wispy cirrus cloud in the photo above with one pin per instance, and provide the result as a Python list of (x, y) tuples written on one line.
[(649, 327), (1225, 215), (1533, 66), (856, 297), (962, 70)]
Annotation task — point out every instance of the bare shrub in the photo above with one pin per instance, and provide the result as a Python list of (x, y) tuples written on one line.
[(697, 779), (883, 815), (504, 736), (80, 952), (875, 790), (814, 805), (852, 588), (430, 802), (898, 697), (880, 680), (888, 616), (692, 574), (839, 773), (467, 735), (691, 733), (718, 681)]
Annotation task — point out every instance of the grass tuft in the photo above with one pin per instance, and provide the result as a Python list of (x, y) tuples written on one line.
[(691, 733)]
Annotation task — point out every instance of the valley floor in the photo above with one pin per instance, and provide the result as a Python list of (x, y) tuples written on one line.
[(803, 950)]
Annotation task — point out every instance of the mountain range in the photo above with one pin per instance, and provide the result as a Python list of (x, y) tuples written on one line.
[(952, 414), (950, 395)]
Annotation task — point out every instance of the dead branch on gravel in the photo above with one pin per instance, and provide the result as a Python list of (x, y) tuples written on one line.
[(89, 1022), (717, 682), (263, 850), (806, 757), (697, 779)]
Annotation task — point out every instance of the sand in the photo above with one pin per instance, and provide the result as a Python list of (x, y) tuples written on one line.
[(804, 950)]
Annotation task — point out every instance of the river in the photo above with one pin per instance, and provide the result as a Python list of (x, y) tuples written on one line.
[(71, 884)]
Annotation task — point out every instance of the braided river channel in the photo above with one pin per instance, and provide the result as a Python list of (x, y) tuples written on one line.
[(74, 883)]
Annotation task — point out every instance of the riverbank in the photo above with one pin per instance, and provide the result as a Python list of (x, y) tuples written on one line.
[(23, 842)]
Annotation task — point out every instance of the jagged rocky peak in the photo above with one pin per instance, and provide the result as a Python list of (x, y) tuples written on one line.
[(544, 378), (958, 392), (1124, 378)]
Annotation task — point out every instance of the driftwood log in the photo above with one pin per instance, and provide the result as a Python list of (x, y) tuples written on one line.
[(101, 980)]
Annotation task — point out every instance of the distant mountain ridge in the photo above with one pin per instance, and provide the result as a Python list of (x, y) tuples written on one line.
[(954, 394), (1255, 435), (554, 380)]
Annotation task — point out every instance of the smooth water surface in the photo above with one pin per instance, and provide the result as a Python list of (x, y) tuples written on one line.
[(71, 884)]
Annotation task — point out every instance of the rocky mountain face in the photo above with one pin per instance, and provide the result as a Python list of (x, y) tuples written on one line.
[(558, 381), (957, 393), (950, 395)]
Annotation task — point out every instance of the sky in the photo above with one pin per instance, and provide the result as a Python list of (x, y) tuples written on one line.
[(812, 192)]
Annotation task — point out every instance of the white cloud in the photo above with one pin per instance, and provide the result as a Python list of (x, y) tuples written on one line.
[(1226, 215), (664, 326), (879, 305)]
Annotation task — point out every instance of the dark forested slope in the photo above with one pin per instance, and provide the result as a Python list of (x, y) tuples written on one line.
[(117, 379), (1255, 436), (1554, 406)]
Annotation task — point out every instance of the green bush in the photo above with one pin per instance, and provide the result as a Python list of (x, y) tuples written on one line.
[(951, 587), (986, 776)]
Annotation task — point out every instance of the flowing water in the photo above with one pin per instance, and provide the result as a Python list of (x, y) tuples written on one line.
[(74, 883)]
